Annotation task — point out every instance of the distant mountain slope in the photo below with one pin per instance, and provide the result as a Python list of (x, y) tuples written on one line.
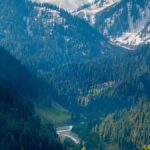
[(20, 129), (124, 22), (66, 4), (90, 10), (113, 82), (44, 36)]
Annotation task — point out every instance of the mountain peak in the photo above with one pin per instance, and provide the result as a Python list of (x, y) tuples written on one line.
[(124, 22), (88, 12), (66, 4)]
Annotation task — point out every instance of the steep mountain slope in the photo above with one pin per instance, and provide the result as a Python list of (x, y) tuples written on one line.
[(114, 82), (125, 22), (89, 11), (43, 36), (14, 76), (20, 129), (127, 129), (66, 4)]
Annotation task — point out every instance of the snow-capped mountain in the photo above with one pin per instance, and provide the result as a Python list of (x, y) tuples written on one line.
[(45, 35), (68, 5), (138, 31), (89, 11), (124, 22)]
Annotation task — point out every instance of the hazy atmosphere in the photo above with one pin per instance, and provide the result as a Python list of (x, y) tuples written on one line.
[(74, 75)]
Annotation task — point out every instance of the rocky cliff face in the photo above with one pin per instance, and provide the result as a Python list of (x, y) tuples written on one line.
[(124, 22)]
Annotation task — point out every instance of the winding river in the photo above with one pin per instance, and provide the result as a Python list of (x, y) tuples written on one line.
[(66, 132)]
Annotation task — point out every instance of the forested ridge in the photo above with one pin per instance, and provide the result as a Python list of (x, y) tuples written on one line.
[(20, 129), (43, 36), (126, 129), (122, 88), (56, 68), (127, 74)]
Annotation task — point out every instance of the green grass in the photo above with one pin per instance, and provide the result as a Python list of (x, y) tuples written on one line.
[(147, 147), (55, 114)]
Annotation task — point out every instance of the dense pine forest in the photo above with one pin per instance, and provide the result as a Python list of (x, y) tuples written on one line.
[(127, 81), (65, 81), (20, 128), (125, 129)]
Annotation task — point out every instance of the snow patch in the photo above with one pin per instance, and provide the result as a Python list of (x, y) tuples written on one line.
[(53, 16), (68, 5), (138, 32), (96, 7)]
